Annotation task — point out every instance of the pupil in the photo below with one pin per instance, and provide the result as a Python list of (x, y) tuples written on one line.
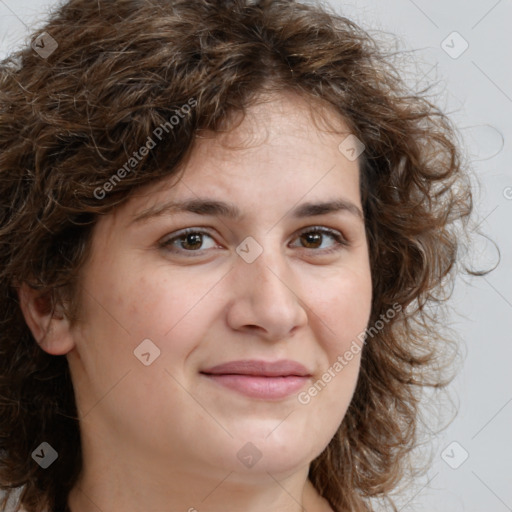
[(189, 239), (313, 238)]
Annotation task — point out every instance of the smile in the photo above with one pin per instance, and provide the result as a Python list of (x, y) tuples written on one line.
[(260, 379)]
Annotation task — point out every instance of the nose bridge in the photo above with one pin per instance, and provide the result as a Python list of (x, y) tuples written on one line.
[(270, 279), (266, 294), (268, 271)]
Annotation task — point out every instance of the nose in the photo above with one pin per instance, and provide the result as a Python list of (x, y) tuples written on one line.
[(266, 298)]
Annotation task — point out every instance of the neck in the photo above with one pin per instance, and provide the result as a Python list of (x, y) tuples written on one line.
[(135, 490)]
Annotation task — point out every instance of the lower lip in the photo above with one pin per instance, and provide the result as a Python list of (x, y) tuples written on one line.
[(267, 388)]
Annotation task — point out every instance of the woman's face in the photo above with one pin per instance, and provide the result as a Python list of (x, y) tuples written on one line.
[(287, 281)]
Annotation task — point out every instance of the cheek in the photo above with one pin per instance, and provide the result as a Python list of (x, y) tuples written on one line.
[(342, 314), (174, 312), (122, 316), (160, 305), (343, 307)]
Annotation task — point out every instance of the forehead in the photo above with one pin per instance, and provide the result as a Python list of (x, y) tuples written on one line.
[(275, 117), (280, 151)]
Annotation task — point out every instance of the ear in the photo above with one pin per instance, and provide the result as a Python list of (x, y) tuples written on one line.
[(51, 332)]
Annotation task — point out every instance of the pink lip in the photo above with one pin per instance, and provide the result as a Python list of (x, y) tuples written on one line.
[(260, 379)]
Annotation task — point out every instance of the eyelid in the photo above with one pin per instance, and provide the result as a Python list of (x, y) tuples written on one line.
[(167, 240), (337, 235), (342, 241), (324, 229)]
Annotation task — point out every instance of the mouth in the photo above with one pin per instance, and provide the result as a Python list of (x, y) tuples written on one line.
[(265, 380)]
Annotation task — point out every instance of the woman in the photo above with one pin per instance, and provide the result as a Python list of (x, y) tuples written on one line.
[(223, 226)]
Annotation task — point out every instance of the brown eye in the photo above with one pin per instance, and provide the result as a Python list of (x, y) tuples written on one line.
[(315, 237), (190, 240), (312, 239)]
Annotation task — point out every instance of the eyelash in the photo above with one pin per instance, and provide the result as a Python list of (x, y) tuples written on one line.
[(336, 235)]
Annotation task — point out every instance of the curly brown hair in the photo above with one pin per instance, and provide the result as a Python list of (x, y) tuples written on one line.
[(70, 118)]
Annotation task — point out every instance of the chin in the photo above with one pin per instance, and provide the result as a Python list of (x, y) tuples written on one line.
[(256, 452)]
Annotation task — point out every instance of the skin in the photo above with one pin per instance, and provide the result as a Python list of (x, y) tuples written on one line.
[(164, 437)]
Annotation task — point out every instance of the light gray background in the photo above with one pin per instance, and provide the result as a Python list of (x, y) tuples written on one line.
[(476, 89)]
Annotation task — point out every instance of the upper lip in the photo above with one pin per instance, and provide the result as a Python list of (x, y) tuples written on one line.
[(281, 368)]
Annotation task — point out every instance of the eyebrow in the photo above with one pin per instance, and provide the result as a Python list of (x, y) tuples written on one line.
[(213, 207)]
